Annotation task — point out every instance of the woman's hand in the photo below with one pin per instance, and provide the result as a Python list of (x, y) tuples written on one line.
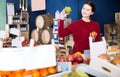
[(93, 34), (63, 14)]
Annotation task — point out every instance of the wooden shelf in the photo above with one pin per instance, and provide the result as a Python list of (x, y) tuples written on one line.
[(24, 29), (21, 22)]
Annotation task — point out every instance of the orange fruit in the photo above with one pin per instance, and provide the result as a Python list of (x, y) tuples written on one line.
[(43, 72), (94, 34), (17, 74), (1, 73), (51, 70), (35, 73), (11, 75), (7, 73), (26, 73), (4, 73)]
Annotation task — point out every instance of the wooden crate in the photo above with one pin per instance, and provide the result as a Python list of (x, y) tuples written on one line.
[(112, 32), (117, 17)]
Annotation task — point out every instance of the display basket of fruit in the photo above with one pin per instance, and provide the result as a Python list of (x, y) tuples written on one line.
[(113, 50), (27, 57), (104, 64)]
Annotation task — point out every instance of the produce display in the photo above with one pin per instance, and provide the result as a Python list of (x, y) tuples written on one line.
[(114, 60), (75, 58), (42, 72)]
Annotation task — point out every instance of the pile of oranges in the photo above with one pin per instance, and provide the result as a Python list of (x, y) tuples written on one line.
[(42, 72)]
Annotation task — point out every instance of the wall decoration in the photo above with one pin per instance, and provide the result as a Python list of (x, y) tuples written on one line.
[(38, 5)]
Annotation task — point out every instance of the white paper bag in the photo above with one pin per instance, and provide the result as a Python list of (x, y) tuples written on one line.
[(97, 48)]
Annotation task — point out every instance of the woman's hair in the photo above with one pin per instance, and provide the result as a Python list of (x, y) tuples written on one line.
[(91, 4)]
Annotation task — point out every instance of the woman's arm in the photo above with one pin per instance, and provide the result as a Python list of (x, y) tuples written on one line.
[(62, 32)]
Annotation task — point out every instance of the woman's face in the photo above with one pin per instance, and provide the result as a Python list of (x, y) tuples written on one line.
[(86, 11)]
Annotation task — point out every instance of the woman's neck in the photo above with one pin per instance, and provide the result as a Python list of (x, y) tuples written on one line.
[(86, 19)]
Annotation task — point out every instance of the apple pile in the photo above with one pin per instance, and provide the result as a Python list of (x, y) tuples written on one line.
[(75, 58), (27, 43)]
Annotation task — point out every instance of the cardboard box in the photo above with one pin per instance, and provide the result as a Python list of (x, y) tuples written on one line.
[(94, 72), (106, 67), (27, 57), (96, 49), (112, 32), (107, 31)]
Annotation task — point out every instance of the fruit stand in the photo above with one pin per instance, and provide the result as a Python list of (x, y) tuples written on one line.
[(27, 58), (101, 60)]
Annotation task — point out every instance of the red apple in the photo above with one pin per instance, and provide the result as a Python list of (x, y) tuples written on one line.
[(69, 58), (61, 59), (74, 55), (86, 61), (78, 59)]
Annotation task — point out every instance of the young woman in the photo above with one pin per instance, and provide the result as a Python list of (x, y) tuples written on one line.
[(81, 29)]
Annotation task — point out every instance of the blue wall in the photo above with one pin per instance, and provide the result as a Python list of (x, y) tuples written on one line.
[(105, 10)]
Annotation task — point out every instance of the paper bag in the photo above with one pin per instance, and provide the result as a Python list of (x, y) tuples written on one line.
[(97, 48)]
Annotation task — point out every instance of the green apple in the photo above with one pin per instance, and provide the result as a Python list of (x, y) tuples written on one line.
[(68, 9), (65, 75), (73, 74), (82, 74)]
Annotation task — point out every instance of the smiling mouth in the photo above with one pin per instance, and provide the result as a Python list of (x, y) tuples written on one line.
[(84, 13)]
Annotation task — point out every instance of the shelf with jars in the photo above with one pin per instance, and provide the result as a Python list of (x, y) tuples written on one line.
[(21, 22)]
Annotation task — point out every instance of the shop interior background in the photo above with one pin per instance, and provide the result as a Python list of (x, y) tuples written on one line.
[(105, 10)]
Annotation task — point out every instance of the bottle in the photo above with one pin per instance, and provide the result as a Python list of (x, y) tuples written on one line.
[(57, 14), (113, 34), (55, 37), (55, 26)]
